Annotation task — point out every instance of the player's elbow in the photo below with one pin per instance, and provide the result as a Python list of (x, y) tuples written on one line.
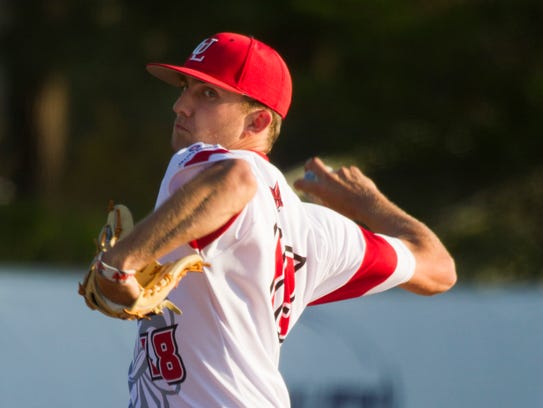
[(240, 180), (433, 277), (442, 276), (446, 276)]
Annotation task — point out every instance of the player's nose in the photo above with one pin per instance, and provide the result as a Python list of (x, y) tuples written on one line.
[(183, 104)]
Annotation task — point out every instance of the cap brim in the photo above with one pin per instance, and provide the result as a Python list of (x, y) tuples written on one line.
[(173, 75)]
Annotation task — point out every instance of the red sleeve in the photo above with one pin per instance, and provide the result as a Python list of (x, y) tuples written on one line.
[(378, 265)]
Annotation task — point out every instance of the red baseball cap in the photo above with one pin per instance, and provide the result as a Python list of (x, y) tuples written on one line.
[(239, 64)]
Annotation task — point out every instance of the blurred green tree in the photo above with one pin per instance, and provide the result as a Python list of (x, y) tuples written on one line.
[(439, 101)]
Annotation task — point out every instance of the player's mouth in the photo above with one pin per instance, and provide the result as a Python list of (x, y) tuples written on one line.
[(180, 128)]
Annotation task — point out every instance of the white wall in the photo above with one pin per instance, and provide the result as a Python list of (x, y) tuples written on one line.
[(467, 348)]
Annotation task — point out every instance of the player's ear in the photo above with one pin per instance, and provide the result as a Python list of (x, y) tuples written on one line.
[(258, 120)]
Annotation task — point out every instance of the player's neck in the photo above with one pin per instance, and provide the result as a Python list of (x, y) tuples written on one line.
[(257, 143)]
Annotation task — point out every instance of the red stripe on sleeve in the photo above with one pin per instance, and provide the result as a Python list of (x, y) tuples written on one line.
[(378, 264)]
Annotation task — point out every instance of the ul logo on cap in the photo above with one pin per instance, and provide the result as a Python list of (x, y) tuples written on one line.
[(201, 48)]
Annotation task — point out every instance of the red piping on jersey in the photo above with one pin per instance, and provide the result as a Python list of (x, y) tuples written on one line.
[(264, 156), (204, 156), (201, 243), (378, 265)]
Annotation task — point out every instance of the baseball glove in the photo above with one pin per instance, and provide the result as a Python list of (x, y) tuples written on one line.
[(155, 280)]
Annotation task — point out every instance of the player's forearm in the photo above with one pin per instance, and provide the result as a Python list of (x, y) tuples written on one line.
[(354, 195), (435, 270), (200, 207)]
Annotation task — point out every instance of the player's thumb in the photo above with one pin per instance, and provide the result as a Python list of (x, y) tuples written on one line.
[(302, 184)]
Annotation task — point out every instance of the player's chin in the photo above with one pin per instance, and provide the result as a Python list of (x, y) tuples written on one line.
[(178, 142)]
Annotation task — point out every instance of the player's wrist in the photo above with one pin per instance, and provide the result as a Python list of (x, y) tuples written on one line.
[(112, 273)]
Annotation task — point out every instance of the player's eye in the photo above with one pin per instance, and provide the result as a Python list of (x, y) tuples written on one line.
[(210, 93), (183, 85)]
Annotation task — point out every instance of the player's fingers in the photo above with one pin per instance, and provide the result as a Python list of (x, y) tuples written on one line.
[(315, 171), (307, 185), (316, 165)]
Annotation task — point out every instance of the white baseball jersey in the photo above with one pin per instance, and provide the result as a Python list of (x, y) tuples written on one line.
[(268, 263)]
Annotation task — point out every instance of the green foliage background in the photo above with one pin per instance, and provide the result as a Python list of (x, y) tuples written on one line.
[(440, 102)]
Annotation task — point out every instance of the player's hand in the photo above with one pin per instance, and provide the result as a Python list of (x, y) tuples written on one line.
[(123, 294), (346, 190)]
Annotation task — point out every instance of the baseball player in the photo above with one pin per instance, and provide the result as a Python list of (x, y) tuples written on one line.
[(268, 254)]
